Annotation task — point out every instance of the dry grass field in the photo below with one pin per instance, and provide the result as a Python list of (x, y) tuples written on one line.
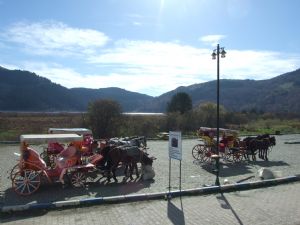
[(14, 124)]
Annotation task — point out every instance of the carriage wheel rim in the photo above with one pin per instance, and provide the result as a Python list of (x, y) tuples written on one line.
[(27, 182), (197, 151), (14, 171), (237, 157), (78, 179)]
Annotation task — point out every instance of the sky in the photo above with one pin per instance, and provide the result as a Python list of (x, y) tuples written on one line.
[(149, 46)]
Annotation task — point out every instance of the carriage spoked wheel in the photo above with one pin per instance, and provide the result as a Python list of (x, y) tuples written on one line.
[(228, 157), (26, 182), (237, 157), (78, 179), (13, 171), (207, 153), (198, 152)]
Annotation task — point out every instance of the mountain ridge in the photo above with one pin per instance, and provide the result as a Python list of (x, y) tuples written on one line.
[(27, 91)]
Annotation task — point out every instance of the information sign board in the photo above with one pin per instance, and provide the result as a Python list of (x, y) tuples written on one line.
[(175, 145)]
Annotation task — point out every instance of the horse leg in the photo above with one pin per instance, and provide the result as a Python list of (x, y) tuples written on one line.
[(246, 156), (266, 154), (131, 168), (136, 170), (113, 171), (126, 170), (253, 155)]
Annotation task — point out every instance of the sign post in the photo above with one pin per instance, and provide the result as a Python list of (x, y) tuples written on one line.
[(175, 152)]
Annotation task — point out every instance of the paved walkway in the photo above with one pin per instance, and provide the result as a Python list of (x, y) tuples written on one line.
[(284, 158), (272, 205)]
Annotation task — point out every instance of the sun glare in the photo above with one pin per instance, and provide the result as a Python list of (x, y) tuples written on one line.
[(161, 7)]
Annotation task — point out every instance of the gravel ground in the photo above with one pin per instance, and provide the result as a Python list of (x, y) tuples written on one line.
[(284, 158)]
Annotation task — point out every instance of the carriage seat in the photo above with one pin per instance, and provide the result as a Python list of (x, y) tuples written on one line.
[(95, 159), (34, 160), (68, 157)]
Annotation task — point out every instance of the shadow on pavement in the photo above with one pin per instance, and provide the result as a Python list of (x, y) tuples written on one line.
[(240, 168), (15, 216), (269, 163), (226, 205), (175, 214), (48, 193), (228, 169)]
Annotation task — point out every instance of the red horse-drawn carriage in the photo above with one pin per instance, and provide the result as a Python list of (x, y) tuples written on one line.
[(75, 164), (54, 147), (27, 175), (230, 147)]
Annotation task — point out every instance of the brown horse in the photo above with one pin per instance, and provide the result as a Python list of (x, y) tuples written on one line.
[(261, 143), (129, 156)]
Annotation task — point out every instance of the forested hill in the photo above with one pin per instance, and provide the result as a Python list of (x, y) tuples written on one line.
[(279, 94), (26, 91)]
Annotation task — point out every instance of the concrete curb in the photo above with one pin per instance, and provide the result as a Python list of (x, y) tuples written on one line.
[(152, 196)]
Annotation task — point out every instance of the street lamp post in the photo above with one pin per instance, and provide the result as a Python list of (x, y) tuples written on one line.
[(216, 55)]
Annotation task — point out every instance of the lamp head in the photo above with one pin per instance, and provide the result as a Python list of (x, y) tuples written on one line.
[(223, 53), (213, 55)]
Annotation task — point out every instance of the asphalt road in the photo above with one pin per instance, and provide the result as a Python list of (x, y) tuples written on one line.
[(284, 158)]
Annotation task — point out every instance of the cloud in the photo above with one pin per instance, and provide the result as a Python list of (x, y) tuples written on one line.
[(162, 66), (258, 65), (212, 40), (54, 38), (135, 23), (172, 63), (156, 67), (145, 66)]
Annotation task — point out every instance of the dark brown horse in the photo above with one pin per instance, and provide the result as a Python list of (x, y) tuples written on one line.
[(260, 143), (265, 142), (129, 156)]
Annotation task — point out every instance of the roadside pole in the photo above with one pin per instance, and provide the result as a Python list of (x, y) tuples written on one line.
[(175, 152)]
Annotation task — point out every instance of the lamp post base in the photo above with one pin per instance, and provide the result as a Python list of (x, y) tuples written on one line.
[(217, 170)]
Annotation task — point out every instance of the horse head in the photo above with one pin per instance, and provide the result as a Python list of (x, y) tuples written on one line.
[(272, 141), (140, 141), (146, 160)]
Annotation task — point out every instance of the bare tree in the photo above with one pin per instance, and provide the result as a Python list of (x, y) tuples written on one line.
[(104, 117)]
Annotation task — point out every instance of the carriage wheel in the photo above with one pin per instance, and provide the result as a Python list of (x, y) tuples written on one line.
[(228, 157), (13, 171), (207, 154), (237, 157), (198, 152), (78, 179), (26, 182)]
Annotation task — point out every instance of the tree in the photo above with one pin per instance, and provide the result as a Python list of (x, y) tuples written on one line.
[(104, 117), (180, 102), (208, 114)]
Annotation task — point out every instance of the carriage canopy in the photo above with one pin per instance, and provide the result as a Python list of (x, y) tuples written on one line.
[(79, 131), (208, 131), (40, 138)]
